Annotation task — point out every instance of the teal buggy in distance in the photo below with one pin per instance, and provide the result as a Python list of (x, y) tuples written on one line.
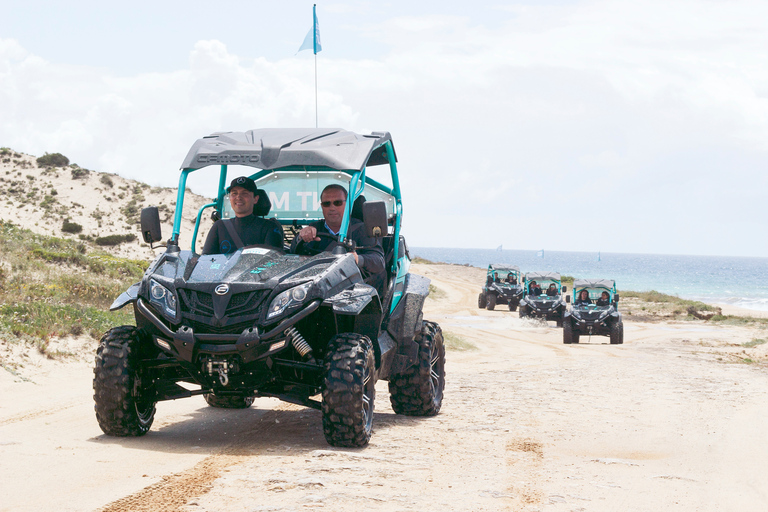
[(548, 307), (259, 322), (503, 285), (586, 319)]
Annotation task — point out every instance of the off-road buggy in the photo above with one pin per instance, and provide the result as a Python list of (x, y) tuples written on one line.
[(503, 285), (260, 322), (538, 301), (595, 316)]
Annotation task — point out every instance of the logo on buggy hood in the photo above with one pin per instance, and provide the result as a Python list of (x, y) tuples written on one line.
[(222, 289)]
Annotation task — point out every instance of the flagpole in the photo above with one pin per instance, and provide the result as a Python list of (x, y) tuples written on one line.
[(314, 49)]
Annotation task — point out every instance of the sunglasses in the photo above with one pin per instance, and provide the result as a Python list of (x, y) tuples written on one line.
[(326, 204)]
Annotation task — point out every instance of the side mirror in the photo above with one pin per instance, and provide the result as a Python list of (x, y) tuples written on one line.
[(375, 217), (565, 289), (615, 297), (150, 225), (567, 299)]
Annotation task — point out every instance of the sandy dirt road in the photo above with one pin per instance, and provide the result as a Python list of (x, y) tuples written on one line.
[(664, 422)]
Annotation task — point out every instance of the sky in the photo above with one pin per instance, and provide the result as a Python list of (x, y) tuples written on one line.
[(573, 125)]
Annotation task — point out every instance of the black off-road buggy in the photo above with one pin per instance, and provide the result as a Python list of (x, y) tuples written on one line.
[(503, 285), (260, 322), (537, 302), (593, 317)]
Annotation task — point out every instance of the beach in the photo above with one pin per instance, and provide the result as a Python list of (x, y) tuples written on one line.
[(673, 419)]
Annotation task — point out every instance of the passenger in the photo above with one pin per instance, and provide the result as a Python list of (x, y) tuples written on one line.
[(511, 279), (228, 235), (534, 289), (604, 300), (370, 255), (583, 298), (552, 290)]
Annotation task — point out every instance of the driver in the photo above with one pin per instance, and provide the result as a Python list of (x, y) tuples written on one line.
[(228, 235), (604, 299), (583, 298), (369, 254)]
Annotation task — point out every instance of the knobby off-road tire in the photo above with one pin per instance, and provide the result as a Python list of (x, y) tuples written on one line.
[(559, 321), (348, 391), (481, 302), (125, 405), (491, 302), (418, 391), (569, 336), (523, 312), (228, 402), (617, 333), (513, 305)]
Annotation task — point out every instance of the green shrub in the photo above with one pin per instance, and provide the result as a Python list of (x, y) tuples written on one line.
[(115, 239), (105, 179), (78, 172), (53, 160), (71, 227)]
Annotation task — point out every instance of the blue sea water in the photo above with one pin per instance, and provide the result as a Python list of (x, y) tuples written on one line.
[(737, 281)]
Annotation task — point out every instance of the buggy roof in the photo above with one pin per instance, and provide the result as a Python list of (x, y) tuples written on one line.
[(594, 283), (552, 276), (493, 266), (274, 148)]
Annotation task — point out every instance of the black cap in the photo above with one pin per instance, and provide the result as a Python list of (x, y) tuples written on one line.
[(244, 182)]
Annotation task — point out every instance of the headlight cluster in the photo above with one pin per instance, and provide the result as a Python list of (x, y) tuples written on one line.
[(162, 297), (290, 298)]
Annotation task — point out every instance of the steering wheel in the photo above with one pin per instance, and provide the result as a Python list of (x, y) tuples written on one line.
[(303, 248)]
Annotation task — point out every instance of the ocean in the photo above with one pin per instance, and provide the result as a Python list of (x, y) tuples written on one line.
[(736, 281)]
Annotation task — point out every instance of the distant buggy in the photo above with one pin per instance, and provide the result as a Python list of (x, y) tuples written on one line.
[(595, 312), (503, 285), (542, 297)]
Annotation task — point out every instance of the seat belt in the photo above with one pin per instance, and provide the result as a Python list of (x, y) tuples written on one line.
[(230, 225)]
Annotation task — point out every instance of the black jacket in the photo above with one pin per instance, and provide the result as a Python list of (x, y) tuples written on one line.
[(370, 259), (252, 231)]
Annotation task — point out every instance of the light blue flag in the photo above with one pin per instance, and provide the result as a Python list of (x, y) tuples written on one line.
[(312, 41)]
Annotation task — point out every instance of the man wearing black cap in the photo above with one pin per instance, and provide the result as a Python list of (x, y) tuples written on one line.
[(228, 235)]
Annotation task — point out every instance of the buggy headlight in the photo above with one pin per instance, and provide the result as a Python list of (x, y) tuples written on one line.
[(162, 297), (291, 297)]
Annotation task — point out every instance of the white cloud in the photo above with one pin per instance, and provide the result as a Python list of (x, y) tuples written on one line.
[(653, 113)]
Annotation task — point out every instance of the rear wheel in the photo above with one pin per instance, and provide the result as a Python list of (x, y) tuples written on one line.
[(228, 401), (418, 391), (348, 391), (617, 333), (481, 301), (124, 396), (491, 302)]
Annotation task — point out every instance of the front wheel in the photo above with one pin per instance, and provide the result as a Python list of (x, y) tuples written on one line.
[(523, 312), (481, 301), (513, 305), (491, 302), (348, 391), (617, 333), (418, 391), (124, 396)]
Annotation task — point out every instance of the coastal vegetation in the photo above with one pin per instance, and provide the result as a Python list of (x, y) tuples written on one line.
[(54, 287)]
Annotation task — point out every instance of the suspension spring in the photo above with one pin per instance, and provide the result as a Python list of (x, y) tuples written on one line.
[(299, 343)]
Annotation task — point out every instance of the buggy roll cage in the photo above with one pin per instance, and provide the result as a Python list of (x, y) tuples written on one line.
[(383, 152)]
